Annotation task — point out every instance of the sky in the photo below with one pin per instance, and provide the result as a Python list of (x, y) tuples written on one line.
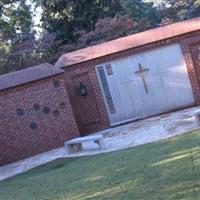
[(36, 20), (155, 1), (37, 13)]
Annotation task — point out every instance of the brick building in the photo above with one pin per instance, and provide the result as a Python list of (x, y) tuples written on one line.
[(105, 85), (35, 113)]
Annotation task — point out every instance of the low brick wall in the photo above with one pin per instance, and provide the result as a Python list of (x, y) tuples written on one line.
[(35, 117)]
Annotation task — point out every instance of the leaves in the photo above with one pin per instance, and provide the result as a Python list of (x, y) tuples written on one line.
[(107, 29), (70, 24), (179, 10)]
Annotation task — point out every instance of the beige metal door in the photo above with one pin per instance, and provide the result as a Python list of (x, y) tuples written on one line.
[(145, 84)]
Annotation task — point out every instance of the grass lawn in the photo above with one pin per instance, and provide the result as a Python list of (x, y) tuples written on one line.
[(165, 170)]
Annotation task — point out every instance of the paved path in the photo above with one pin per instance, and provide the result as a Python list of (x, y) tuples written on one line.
[(130, 135)]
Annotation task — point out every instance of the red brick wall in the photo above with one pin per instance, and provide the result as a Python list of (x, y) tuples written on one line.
[(90, 112), (17, 139), (191, 50)]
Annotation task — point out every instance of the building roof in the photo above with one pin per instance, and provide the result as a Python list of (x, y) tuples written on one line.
[(129, 42), (27, 75)]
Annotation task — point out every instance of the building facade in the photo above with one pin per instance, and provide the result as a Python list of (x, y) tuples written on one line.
[(36, 115), (119, 91), (102, 86)]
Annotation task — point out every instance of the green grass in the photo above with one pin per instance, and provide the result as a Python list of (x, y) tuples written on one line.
[(165, 170)]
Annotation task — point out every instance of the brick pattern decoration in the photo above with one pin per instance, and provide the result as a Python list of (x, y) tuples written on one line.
[(34, 118), (90, 112)]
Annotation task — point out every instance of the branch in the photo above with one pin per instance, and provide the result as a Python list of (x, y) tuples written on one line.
[(3, 4)]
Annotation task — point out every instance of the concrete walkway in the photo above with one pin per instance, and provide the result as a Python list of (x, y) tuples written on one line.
[(130, 135)]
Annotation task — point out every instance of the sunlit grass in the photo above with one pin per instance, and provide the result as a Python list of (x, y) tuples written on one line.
[(169, 169)]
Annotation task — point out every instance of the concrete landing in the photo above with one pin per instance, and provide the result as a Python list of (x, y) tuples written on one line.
[(130, 135)]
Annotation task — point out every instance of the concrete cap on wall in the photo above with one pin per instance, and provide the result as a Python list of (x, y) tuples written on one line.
[(128, 42), (28, 75)]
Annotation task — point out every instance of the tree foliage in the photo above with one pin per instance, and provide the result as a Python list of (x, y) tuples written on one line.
[(18, 45), (16, 30), (145, 14), (70, 24), (179, 10), (107, 29), (66, 17)]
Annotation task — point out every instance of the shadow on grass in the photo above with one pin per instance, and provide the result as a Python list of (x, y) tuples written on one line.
[(168, 169)]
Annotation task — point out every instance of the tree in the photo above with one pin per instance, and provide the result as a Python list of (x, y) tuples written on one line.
[(16, 21), (16, 30), (73, 24), (179, 10), (66, 17), (145, 14), (107, 29)]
